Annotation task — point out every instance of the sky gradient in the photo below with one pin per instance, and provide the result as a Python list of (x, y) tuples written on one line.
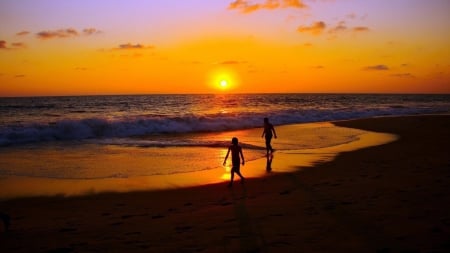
[(87, 47)]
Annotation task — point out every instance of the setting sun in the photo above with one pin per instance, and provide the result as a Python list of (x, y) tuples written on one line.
[(223, 84), (224, 79)]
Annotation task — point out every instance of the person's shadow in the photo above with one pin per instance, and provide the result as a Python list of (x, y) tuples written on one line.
[(269, 162)]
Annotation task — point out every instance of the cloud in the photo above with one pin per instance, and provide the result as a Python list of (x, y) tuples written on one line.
[(135, 46), (316, 28), (340, 27), (231, 62), (379, 67), (22, 33), (90, 31), (404, 75), (65, 33), (19, 76), (245, 6), (294, 4), (355, 16), (361, 29), (129, 46), (18, 45), (14, 45), (61, 33)]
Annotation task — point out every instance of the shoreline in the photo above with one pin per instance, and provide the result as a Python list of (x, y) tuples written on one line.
[(286, 161), (389, 198)]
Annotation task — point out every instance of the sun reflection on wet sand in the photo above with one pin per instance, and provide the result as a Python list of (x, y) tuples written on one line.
[(284, 161)]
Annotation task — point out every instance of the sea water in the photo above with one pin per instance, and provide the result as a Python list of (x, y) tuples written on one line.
[(110, 137)]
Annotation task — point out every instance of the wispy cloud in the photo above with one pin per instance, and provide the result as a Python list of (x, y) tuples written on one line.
[(380, 67), (245, 6), (231, 62), (361, 29), (355, 16), (403, 75), (14, 45), (90, 31), (65, 33), (129, 46), (18, 45), (340, 27), (22, 33), (316, 28), (61, 33)]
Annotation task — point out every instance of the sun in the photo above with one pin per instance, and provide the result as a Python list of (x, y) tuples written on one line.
[(223, 83), (223, 80)]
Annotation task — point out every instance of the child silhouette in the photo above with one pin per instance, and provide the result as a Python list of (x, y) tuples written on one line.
[(236, 151)]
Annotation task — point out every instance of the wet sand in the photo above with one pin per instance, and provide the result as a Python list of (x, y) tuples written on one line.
[(388, 198)]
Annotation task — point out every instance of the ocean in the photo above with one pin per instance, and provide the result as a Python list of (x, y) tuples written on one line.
[(104, 137)]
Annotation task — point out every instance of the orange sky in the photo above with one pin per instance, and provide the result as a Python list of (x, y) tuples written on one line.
[(51, 47)]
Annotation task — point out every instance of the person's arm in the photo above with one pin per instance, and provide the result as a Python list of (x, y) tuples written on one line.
[(264, 131), (242, 156), (274, 133), (226, 157)]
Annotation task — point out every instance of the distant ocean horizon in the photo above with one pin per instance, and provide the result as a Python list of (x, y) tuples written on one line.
[(25, 120)]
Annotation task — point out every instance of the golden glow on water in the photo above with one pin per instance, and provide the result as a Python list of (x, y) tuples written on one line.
[(283, 161), (226, 168), (227, 173)]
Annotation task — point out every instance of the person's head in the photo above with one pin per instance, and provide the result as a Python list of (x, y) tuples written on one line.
[(234, 141), (266, 120)]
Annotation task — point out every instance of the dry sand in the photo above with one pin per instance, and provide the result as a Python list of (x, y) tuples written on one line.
[(389, 198)]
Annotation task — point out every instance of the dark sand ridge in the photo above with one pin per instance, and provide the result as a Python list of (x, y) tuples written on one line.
[(389, 198)]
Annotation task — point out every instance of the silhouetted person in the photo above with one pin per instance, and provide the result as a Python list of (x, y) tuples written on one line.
[(236, 154), (268, 133)]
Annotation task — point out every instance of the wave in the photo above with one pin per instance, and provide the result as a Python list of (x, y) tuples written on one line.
[(101, 128)]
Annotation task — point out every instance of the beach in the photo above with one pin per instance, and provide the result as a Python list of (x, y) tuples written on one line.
[(387, 198)]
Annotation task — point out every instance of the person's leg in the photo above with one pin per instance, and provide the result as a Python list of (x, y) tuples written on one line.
[(232, 176), (237, 170), (268, 145), (240, 175)]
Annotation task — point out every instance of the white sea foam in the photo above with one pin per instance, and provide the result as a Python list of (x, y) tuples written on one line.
[(36, 120)]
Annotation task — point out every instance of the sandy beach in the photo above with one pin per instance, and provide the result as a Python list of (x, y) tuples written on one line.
[(387, 198)]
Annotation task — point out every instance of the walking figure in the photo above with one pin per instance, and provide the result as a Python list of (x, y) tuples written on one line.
[(268, 133), (236, 155)]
